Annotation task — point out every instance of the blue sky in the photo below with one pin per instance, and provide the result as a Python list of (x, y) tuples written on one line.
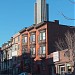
[(17, 14)]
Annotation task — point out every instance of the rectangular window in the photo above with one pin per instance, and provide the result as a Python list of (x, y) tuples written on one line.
[(42, 50), (24, 39), (32, 50), (32, 38), (42, 35)]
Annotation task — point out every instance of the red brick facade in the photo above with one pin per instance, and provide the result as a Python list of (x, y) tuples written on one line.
[(40, 61)]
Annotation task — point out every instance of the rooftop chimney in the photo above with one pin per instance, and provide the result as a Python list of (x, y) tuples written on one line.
[(41, 11), (56, 21)]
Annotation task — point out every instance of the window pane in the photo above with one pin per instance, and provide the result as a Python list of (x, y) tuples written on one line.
[(30, 38), (25, 39), (33, 37), (40, 36), (33, 50), (44, 36), (40, 51), (43, 50)]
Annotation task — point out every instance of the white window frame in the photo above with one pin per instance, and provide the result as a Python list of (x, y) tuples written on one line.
[(32, 37), (25, 39), (42, 35), (42, 50)]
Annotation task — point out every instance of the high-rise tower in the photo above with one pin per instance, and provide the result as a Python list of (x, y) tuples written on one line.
[(41, 11)]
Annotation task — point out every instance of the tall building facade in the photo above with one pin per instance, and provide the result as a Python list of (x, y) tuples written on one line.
[(41, 11), (39, 52)]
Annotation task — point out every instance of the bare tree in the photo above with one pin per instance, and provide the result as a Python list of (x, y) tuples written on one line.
[(60, 44), (67, 43)]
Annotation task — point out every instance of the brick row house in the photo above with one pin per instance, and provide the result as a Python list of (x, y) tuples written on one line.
[(16, 53), (38, 41), (6, 57), (10, 55), (33, 50)]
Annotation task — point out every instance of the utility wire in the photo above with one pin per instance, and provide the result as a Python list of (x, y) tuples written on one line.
[(73, 2), (68, 18)]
